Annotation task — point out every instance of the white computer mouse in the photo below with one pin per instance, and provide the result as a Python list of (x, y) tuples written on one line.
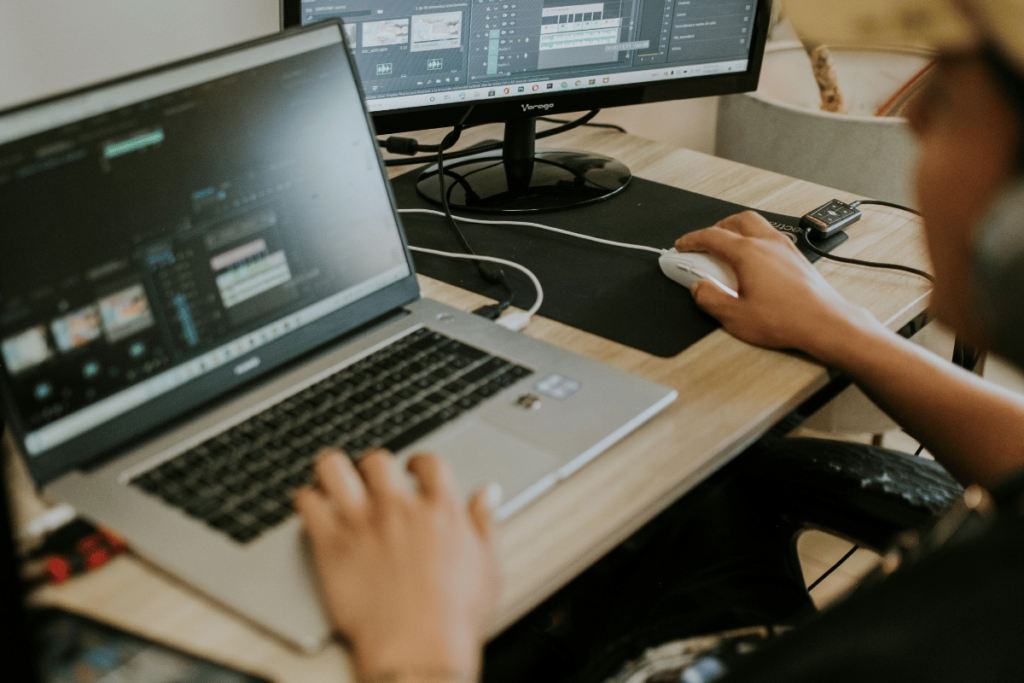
[(689, 267)]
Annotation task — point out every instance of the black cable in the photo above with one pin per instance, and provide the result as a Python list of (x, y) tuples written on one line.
[(965, 356), (891, 205), (612, 126), (402, 145), (399, 145), (858, 262), (834, 567), (490, 271)]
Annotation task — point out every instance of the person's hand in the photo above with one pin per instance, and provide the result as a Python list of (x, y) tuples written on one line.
[(408, 576), (783, 301)]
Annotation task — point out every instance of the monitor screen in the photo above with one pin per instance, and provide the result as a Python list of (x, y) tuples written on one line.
[(532, 57)]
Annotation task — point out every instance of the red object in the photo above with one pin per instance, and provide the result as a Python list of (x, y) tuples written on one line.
[(58, 569), (97, 558), (89, 552), (94, 550), (114, 542)]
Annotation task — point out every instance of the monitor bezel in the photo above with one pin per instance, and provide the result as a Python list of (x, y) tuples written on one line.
[(600, 97)]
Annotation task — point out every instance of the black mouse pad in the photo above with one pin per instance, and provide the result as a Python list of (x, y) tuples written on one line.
[(618, 294)]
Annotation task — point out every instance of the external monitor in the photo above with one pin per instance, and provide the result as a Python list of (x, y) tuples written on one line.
[(423, 64)]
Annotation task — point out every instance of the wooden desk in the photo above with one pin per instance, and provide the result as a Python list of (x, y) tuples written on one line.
[(729, 394)]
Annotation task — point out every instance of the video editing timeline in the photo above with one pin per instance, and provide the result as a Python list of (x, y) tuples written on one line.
[(190, 233), (510, 38), (416, 54)]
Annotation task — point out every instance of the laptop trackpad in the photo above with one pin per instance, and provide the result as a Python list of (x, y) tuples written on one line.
[(480, 453)]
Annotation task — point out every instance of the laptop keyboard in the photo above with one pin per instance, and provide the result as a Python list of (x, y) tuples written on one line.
[(242, 481)]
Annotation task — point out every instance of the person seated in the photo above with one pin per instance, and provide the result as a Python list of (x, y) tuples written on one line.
[(409, 575)]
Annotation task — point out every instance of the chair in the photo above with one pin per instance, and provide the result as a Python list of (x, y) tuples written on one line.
[(722, 557)]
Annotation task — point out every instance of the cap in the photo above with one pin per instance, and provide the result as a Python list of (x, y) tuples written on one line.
[(952, 25)]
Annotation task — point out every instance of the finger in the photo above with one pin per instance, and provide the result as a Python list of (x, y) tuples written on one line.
[(715, 241), (748, 224), (317, 514), (481, 509), (382, 475), (341, 482), (435, 477), (711, 299)]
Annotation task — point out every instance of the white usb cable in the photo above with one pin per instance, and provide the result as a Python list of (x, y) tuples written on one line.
[(513, 320), (480, 221), (517, 320)]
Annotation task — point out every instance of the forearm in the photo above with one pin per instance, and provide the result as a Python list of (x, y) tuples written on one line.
[(421, 676), (422, 661), (972, 427)]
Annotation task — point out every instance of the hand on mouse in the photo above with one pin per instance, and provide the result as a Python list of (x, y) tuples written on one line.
[(408, 576), (783, 301)]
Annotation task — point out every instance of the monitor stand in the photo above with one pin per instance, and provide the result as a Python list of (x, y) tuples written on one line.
[(520, 180)]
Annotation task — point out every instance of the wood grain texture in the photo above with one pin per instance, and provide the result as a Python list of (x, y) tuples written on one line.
[(729, 394)]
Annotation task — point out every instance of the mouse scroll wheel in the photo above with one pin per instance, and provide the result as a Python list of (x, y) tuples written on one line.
[(685, 265)]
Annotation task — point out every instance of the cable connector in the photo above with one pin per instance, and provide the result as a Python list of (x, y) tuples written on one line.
[(491, 311), (492, 273), (515, 320), (399, 145)]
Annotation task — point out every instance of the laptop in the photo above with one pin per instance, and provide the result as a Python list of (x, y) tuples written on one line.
[(50, 645), (204, 281)]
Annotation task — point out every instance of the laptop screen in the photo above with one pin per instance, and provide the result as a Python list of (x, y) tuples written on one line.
[(169, 236)]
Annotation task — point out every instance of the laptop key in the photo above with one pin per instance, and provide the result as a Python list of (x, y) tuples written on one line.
[(221, 522), (203, 507), (379, 430), (427, 341), (467, 402), (469, 352), (456, 386), (483, 370), (448, 414), (244, 534), (417, 431)]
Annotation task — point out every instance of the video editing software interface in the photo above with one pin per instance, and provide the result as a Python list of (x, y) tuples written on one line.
[(149, 245), (413, 53)]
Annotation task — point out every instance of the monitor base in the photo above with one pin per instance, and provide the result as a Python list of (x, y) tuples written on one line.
[(557, 180)]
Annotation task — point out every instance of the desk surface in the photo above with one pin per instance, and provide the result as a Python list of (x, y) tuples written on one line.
[(729, 394)]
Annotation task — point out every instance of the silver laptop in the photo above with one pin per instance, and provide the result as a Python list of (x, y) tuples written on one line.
[(203, 281)]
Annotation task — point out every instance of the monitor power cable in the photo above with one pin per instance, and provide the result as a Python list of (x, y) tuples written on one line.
[(489, 270), (610, 126), (410, 146)]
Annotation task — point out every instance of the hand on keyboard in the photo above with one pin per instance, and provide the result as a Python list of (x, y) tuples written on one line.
[(408, 575)]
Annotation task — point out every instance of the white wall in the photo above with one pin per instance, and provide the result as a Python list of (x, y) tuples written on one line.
[(49, 47), (61, 44), (684, 123)]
